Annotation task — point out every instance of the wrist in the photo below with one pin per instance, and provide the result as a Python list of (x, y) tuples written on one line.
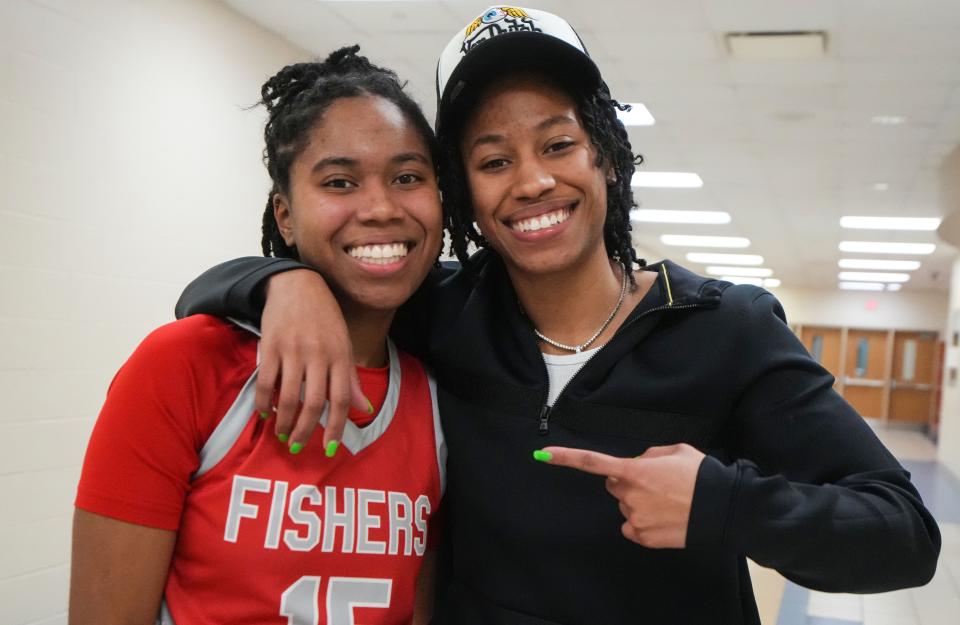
[(293, 278)]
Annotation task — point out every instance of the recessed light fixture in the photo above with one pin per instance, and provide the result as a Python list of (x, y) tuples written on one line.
[(860, 222), (666, 179), (886, 247), (691, 240), (896, 286), (638, 115), (679, 217), (804, 45), (868, 276), (888, 120), (771, 283), (861, 286), (869, 263), (743, 280), (881, 186), (754, 272), (707, 258)]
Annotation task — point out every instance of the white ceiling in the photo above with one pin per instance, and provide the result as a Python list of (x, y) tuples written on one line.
[(785, 147)]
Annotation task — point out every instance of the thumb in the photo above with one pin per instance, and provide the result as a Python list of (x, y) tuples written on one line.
[(357, 399), (659, 451)]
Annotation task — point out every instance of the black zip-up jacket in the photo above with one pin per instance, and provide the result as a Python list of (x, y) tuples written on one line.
[(793, 479)]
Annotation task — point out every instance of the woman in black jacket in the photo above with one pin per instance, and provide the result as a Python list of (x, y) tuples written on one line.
[(701, 431)]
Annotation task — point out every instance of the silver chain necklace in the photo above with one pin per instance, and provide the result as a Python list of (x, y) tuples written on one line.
[(582, 346)]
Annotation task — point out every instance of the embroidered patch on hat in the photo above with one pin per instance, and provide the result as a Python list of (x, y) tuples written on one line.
[(497, 21)]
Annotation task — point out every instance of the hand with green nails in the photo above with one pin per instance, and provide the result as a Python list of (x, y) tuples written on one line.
[(305, 371), (654, 490)]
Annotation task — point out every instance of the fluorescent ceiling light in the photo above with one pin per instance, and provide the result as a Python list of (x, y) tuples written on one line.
[(861, 286), (886, 247), (692, 240), (866, 276), (889, 223), (638, 115), (869, 263), (666, 179), (771, 283), (707, 258), (896, 286), (743, 280), (888, 120), (756, 272), (679, 217), (777, 46)]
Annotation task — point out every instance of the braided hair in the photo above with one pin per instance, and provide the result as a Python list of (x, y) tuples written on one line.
[(598, 112), (296, 98)]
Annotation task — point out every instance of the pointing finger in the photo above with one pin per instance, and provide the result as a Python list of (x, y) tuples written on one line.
[(583, 460)]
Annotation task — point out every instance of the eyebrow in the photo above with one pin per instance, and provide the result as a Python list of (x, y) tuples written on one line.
[(334, 161), (410, 156), (346, 161), (541, 126)]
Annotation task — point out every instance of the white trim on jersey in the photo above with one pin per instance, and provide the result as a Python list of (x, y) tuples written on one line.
[(230, 428), (356, 439)]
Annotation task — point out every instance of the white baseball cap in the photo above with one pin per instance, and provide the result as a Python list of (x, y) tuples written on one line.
[(502, 38)]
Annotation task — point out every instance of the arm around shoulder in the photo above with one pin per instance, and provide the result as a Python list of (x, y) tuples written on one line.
[(234, 288)]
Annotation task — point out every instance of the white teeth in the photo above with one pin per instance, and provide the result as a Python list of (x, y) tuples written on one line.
[(381, 254), (542, 221)]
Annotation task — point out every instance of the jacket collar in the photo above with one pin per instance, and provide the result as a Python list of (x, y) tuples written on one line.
[(681, 287)]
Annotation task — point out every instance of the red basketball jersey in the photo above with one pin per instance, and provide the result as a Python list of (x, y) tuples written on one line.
[(270, 537)]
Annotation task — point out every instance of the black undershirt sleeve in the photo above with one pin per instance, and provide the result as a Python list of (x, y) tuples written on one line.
[(236, 288)]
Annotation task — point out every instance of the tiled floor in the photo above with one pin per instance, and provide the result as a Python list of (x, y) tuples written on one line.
[(937, 603)]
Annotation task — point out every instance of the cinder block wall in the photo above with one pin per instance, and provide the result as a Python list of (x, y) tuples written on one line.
[(127, 165)]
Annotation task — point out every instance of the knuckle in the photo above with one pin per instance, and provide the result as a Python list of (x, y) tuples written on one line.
[(288, 404), (314, 406)]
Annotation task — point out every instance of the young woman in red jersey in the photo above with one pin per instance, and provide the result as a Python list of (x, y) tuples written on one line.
[(189, 508)]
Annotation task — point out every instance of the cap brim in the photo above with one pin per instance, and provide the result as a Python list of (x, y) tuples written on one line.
[(508, 53)]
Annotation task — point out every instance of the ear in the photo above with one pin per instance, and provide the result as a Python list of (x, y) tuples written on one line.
[(284, 217), (611, 175)]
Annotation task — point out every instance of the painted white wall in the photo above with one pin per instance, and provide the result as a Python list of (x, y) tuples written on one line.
[(904, 310), (128, 164), (948, 449)]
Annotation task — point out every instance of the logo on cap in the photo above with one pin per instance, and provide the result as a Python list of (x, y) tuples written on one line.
[(496, 21)]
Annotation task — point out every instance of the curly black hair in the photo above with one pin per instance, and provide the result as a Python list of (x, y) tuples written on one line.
[(598, 112), (296, 98)]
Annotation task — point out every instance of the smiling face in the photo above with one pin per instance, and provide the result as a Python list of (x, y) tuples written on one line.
[(363, 206), (538, 196)]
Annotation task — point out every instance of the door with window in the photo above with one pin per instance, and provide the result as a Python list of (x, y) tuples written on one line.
[(824, 345), (865, 372), (912, 383)]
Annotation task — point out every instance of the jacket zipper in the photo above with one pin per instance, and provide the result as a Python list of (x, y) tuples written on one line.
[(544, 420)]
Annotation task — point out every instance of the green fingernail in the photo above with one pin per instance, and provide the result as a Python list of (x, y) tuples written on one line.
[(542, 456), (332, 448), (283, 437), (295, 448), (369, 407), (264, 414)]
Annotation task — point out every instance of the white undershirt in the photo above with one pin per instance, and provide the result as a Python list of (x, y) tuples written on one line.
[(561, 368)]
